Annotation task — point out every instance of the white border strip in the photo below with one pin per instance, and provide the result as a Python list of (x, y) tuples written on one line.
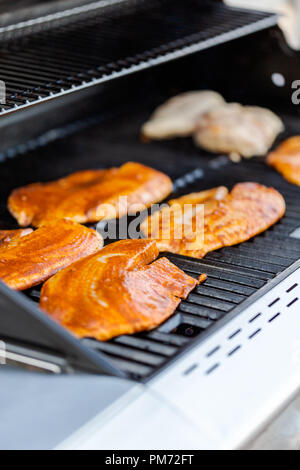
[(199, 46)]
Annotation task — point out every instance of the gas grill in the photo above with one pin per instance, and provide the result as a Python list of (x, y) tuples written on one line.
[(79, 84)]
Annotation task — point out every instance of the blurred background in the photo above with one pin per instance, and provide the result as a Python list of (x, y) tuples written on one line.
[(289, 11)]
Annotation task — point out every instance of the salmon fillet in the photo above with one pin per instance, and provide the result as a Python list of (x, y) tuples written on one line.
[(286, 159), (28, 260), (246, 211), (177, 116), (7, 235), (120, 290), (90, 195)]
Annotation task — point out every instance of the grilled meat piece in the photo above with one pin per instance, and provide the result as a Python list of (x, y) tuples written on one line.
[(120, 290), (175, 225), (8, 235), (286, 159), (208, 197), (237, 130), (28, 260), (246, 211), (177, 117), (90, 195)]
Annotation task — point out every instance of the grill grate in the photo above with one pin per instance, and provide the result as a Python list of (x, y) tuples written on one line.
[(52, 62), (234, 273)]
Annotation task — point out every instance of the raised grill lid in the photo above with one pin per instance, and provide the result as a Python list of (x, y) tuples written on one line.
[(46, 58)]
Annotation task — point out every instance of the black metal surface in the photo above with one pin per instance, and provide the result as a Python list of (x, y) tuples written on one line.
[(49, 63), (234, 273)]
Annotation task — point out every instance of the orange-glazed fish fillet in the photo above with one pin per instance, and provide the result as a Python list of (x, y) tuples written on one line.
[(120, 290), (286, 159), (90, 195), (7, 235), (248, 210), (28, 260)]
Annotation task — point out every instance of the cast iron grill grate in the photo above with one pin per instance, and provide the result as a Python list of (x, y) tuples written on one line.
[(234, 274), (51, 62)]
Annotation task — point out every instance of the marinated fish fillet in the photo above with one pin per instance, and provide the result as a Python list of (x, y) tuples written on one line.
[(90, 195), (28, 260), (286, 159), (8, 235), (177, 117), (246, 211), (177, 222), (208, 197), (120, 290), (238, 130)]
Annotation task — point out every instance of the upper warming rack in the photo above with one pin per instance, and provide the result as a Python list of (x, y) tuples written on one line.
[(68, 51)]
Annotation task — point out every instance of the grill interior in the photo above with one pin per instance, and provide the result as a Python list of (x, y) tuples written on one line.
[(42, 61), (234, 273)]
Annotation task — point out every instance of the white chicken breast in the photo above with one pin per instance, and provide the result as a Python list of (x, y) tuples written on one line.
[(238, 130), (177, 116)]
